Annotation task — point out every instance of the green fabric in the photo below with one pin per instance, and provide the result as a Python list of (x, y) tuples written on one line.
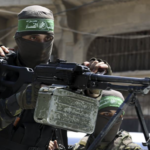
[(110, 101), (35, 25)]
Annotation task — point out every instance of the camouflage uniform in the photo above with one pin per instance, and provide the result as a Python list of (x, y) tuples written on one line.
[(19, 131), (122, 141), (114, 140), (8, 109)]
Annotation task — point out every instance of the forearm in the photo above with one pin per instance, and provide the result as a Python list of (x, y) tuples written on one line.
[(9, 108)]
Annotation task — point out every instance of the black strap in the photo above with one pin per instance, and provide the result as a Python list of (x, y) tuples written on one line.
[(90, 140), (16, 146), (58, 135), (59, 139), (65, 138)]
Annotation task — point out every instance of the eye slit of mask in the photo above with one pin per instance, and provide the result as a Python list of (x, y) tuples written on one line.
[(38, 37), (109, 113)]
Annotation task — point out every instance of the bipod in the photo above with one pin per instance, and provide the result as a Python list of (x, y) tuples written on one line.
[(142, 121), (131, 98)]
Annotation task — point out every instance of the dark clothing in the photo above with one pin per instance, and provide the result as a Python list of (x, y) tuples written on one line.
[(26, 133)]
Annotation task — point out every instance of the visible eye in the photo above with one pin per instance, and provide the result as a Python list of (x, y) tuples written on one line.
[(49, 38), (33, 38)]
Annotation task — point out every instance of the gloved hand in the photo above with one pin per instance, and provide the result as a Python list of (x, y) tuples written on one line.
[(27, 98), (97, 66), (103, 66)]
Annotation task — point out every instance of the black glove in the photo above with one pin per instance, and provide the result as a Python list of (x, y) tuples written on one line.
[(97, 92), (108, 71)]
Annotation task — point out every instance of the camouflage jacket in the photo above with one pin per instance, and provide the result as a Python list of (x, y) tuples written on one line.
[(122, 141), (8, 110), (18, 126)]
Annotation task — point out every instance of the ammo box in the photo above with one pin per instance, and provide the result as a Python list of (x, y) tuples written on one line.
[(64, 109)]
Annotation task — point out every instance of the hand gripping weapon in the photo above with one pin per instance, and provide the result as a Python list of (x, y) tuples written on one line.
[(79, 77)]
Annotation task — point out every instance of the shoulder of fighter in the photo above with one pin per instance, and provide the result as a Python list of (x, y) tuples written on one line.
[(9, 57), (81, 145), (124, 141)]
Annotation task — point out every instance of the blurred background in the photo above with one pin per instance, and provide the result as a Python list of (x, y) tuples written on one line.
[(117, 31)]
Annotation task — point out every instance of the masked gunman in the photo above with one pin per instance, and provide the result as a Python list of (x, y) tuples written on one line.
[(18, 130)]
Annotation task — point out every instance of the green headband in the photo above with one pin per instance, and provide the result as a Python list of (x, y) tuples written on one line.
[(36, 25), (110, 101)]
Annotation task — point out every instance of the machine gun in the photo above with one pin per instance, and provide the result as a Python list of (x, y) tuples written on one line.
[(75, 77)]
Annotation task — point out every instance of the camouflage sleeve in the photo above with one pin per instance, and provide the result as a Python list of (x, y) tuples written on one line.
[(124, 141), (9, 108), (81, 145)]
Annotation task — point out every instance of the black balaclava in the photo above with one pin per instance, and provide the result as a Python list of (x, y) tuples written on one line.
[(34, 20), (110, 101)]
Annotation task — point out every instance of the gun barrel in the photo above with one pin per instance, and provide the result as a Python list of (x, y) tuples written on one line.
[(119, 79)]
